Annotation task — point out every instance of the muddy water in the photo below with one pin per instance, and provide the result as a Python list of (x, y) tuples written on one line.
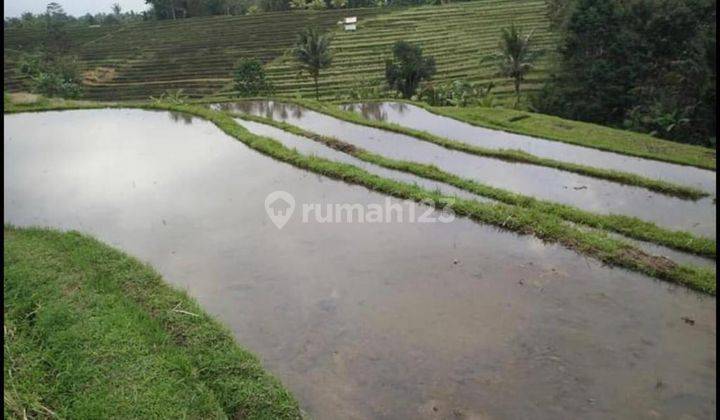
[(385, 320), (312, 148), (545, 183), (420, 119)]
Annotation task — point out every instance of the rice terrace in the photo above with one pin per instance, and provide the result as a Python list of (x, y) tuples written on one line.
[(360, 209)]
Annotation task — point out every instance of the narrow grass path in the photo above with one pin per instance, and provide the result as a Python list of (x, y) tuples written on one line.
[(92, 333), (529, 221), (518, 156), (631, 227)]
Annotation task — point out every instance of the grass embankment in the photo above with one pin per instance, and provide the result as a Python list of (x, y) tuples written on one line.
[(92, 333), (628, 226), (547, 227), (518, 156), (582, 134)]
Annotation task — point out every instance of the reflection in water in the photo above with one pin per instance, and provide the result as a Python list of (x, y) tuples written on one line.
[(180, 117), (266, 109), (393, 320), (587, 193)]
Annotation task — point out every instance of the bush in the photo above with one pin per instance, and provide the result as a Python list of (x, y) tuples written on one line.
[(250, 78)]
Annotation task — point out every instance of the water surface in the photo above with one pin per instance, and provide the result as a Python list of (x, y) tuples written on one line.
[(420, 119), (310, 147), (545, 183), (366, 321)]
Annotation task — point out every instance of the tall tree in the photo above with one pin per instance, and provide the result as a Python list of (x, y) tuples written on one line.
[(57, 41), (517, 58), (408, 68), (312, 51)]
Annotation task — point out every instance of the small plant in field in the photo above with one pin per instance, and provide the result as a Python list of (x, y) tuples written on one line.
[(408, 68), (457, 93), (312, 52), (250, 78), (171, 97), (365, 88)]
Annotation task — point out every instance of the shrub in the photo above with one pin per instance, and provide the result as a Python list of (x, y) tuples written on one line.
[(250, 78), (52, 76)]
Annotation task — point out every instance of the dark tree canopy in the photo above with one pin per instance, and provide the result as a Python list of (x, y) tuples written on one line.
[(647, 65), (408, 68)]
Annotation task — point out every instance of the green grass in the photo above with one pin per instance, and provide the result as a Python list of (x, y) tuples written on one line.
[(631, 227), (92, 333), (626, 178), (583, 134), (528, 221)]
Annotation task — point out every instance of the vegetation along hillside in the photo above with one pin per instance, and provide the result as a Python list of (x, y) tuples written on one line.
[(140, 59)]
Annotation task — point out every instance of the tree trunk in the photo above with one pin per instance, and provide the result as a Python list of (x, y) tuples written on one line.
[(517, 93), (317, 89)]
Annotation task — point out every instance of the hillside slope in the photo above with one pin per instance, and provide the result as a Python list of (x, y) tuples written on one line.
[(457, 35), (198, 55)]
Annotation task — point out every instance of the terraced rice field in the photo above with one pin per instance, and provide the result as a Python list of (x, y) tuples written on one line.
[(198, 55), (544, 183), (457, 35), (369, 320)]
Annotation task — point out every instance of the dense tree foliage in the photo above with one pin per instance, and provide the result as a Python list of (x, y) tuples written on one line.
[(408, 68), (55, 14), (178, 9), (312, 52), (647, 65)]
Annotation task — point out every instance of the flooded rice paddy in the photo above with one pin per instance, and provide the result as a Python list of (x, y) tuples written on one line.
[(309, 147), (420, 119), (385, 320), (545, 183)]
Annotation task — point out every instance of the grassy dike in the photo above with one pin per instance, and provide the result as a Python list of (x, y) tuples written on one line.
[(517, 156), (631, 227), (90, 332), (547, 227)]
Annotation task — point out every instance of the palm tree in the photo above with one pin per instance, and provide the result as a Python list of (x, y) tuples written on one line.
[(312, 51), (516, 57)]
